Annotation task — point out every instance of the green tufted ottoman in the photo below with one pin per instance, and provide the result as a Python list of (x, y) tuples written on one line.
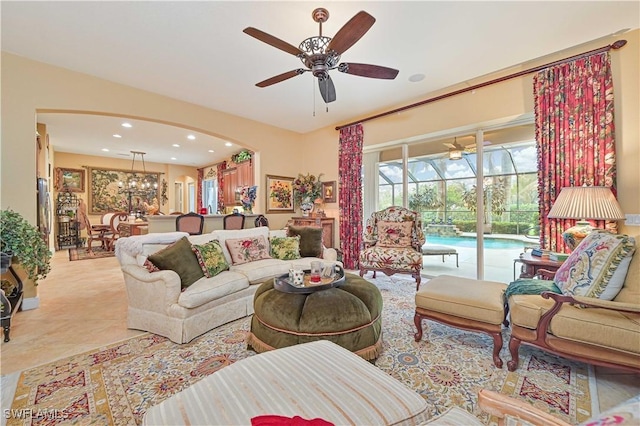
[(350, 316)]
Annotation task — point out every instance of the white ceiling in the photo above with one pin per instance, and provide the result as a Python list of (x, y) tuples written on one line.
[(197, 52)]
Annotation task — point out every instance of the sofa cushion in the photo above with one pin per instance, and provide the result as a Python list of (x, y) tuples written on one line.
[(207, 289), (285, 248), (394, 234), (179, 258), (211, 258), (223, 234), (261, 270), (310, 240), (248, 249), (597, 267)]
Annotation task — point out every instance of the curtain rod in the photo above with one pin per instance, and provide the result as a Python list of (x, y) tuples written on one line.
[(616, 45)]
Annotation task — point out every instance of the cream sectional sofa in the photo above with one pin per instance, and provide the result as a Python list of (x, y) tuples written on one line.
[(157, 303)]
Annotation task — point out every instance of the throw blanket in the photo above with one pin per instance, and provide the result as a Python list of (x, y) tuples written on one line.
[(530, 286), (133, 245)]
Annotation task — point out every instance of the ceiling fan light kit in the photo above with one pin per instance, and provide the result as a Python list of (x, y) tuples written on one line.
[(321, 54)]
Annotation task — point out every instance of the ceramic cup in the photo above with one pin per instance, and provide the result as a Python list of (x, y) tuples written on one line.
[(298, 277), (316, 271), (328, 270)]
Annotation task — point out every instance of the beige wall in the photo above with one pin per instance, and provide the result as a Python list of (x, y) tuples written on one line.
[(28, 87)]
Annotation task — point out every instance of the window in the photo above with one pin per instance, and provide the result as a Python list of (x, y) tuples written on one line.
[(210, 195)]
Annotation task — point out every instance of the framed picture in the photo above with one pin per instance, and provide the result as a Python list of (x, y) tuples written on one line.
[(279, 194), (105, 194), (71, 180), (329, 191)]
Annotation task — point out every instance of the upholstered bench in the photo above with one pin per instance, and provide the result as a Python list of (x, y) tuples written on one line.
[(349, 315), (313, 380), (464, 303)]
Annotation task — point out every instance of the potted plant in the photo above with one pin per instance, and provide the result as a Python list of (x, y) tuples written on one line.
[(25, 244)]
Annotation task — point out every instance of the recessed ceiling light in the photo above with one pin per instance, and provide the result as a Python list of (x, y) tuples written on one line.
[(173, 158), (228, 144), (191, 137), (127, 125), (416, 78), (210, 150), (117, 136), (105, 149), (176, 145)]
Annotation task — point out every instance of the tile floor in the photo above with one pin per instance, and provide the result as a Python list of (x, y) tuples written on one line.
[(83, 305)]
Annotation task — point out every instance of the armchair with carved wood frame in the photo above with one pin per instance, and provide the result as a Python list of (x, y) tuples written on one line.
[(402, 259), (587, 329)]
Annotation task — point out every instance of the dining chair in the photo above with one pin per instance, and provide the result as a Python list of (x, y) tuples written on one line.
[(261, 220), (190, 222), (233, 221), (113, 233)]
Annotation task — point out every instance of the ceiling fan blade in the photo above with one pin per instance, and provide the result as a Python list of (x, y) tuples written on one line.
[(273, 41), (351, 32), (327, 90), (367, 70), (280, 77)]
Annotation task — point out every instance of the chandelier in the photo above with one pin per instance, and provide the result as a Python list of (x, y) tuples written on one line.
[(136, 185)]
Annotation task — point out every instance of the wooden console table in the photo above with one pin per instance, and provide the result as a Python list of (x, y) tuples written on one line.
[(127, 229), (327, 223)]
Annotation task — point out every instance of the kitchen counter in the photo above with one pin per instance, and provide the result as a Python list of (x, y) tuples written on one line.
[(167, 223)]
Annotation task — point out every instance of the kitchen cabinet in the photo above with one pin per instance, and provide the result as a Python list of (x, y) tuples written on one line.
[(245, 174), (235, 178)]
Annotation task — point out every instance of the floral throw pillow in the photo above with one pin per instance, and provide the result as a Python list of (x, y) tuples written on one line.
[(211, 258), (394, 234), (248, 249), (285, 248), (597, 267)]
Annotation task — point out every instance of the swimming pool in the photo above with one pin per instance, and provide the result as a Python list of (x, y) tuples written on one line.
[(489, 243)]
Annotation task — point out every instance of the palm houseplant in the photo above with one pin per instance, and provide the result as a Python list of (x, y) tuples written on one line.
[(24, 244)]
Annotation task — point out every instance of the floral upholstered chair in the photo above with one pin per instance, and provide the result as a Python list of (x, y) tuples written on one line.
[(393, 240)]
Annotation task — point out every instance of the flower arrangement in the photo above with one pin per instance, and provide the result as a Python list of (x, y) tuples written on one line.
[(307, 189), (248, 198), (281, 193)]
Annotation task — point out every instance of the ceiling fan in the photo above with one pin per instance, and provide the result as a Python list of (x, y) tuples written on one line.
[(456, 150), (321, 54)]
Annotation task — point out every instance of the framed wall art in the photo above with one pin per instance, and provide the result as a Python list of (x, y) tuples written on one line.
[(71, 180), (105, 194), (329, 191), (279, 194)]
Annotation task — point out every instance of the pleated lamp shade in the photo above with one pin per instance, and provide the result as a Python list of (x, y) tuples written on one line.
[(584, 202)]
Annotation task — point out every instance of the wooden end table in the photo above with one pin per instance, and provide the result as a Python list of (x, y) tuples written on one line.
[(531, 264)]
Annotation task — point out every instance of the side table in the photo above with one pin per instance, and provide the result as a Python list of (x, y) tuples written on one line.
[(531, 264)]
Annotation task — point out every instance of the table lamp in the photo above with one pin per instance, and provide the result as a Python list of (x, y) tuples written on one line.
[(584, 202)]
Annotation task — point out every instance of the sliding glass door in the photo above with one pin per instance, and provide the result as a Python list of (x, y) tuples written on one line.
[(444, 190)]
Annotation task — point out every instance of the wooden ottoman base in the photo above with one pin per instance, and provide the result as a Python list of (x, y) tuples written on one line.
[(473, 305)]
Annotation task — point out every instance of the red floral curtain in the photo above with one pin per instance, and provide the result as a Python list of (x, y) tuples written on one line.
[(221, 167), (199, 190), (574, 135), (350, 194)]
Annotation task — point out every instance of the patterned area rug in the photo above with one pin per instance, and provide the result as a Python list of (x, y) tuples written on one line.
[(118, 383), (81, 253)]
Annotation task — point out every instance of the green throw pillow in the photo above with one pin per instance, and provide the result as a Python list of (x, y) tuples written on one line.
[(310, 240), (179, 258), (285, 248), (211, 258)]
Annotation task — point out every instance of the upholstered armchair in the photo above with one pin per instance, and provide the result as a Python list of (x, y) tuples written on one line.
[(393, 239)]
